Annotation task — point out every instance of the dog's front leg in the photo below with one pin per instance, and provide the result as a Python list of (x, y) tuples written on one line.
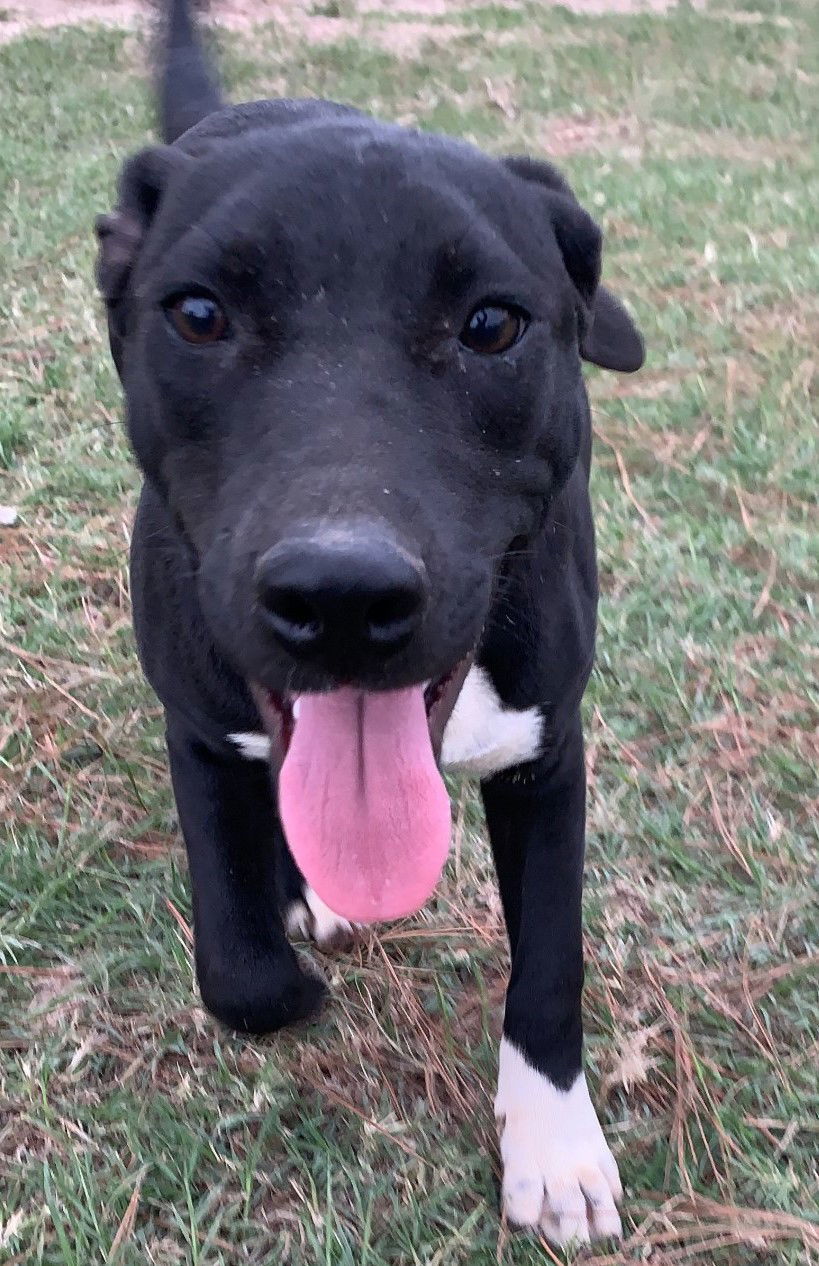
[(248, 973), (558, 1172)]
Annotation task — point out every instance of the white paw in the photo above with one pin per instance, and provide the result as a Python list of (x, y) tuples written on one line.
[(558, 1173), (311, 918)]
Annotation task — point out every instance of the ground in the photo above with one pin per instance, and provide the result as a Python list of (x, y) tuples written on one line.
[(132, 1129)]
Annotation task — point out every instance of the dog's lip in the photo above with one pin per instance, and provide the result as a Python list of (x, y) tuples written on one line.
[(279, 711), (440, 698)]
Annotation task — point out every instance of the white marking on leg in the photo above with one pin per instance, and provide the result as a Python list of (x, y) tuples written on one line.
[(558, 1172), (328, 927), (311, 917), (297, 921), (252, 746), (483, 736)]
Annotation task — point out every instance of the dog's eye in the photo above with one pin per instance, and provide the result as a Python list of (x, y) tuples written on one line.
[(493, 328), (197, 319)]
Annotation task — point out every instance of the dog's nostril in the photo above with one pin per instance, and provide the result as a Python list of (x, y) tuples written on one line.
[(294, 614), (392, 617)]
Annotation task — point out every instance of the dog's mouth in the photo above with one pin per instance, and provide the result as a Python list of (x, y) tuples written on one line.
[(362, 802), (280, 711)]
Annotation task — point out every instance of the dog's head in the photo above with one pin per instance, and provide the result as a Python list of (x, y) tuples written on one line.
[(351, 356), (352, 363)]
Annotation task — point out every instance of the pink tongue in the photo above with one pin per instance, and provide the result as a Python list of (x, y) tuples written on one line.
[(363, 806)]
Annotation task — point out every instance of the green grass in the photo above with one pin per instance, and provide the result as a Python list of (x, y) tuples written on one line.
[(132, 1129)]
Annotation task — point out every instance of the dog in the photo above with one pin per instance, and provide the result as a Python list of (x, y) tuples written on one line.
[(351, 357)]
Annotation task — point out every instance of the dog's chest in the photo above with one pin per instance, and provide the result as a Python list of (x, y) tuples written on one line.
[(482, 736)]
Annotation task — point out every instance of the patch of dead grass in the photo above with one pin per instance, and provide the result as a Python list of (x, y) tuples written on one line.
[(577, 134), (301, 17)]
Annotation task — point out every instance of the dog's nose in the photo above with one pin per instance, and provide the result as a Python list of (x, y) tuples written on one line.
[(341, 592)]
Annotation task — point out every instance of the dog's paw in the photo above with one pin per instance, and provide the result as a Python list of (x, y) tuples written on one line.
[(258, 990), (311, 919), (558, 1173)]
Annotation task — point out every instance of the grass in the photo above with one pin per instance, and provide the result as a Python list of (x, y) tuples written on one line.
[(134, 1130)]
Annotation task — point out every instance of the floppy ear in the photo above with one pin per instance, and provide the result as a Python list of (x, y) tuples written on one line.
[(607, 335), (613, 341), (122, 231)]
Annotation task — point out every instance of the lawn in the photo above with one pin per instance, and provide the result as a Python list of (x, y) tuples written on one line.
[(132, 1128)]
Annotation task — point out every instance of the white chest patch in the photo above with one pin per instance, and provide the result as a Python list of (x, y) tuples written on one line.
[(481, 737), (251, 745), (558, 1172)]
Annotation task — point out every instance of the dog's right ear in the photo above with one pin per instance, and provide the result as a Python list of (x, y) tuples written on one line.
[(121, 232)]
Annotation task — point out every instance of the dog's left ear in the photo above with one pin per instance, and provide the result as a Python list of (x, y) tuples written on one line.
[(608, 336)]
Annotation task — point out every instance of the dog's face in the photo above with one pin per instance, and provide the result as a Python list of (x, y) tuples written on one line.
[(361, 346)]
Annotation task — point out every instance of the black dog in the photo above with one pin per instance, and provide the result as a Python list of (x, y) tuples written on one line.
[(351, 356)]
